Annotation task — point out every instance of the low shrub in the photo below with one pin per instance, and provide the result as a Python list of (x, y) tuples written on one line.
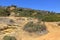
[(35, 28), (9, 38)]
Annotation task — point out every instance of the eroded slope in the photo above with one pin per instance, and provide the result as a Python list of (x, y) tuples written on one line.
[(13, 26)]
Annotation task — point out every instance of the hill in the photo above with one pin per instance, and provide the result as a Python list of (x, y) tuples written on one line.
[(27, 12), (17, 23)]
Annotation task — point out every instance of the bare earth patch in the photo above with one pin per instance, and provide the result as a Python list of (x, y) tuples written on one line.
[(15, 29)]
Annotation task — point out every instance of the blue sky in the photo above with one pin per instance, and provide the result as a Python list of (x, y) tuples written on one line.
[(50, 5)]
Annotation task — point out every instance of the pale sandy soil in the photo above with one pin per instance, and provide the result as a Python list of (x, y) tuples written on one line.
[(54, 33), (52, 27)]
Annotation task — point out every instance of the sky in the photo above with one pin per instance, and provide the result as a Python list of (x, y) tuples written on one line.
[(50, 5)]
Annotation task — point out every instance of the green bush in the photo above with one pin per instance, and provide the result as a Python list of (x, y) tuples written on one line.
[(9, 38), (4, 12), (35, 28)]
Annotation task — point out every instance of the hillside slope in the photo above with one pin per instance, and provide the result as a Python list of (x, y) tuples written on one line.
[(27, 12), (16, 30)]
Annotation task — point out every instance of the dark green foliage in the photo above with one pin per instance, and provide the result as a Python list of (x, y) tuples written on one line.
[(51, 18), (4, 12), (9, 38), (35, 28)]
